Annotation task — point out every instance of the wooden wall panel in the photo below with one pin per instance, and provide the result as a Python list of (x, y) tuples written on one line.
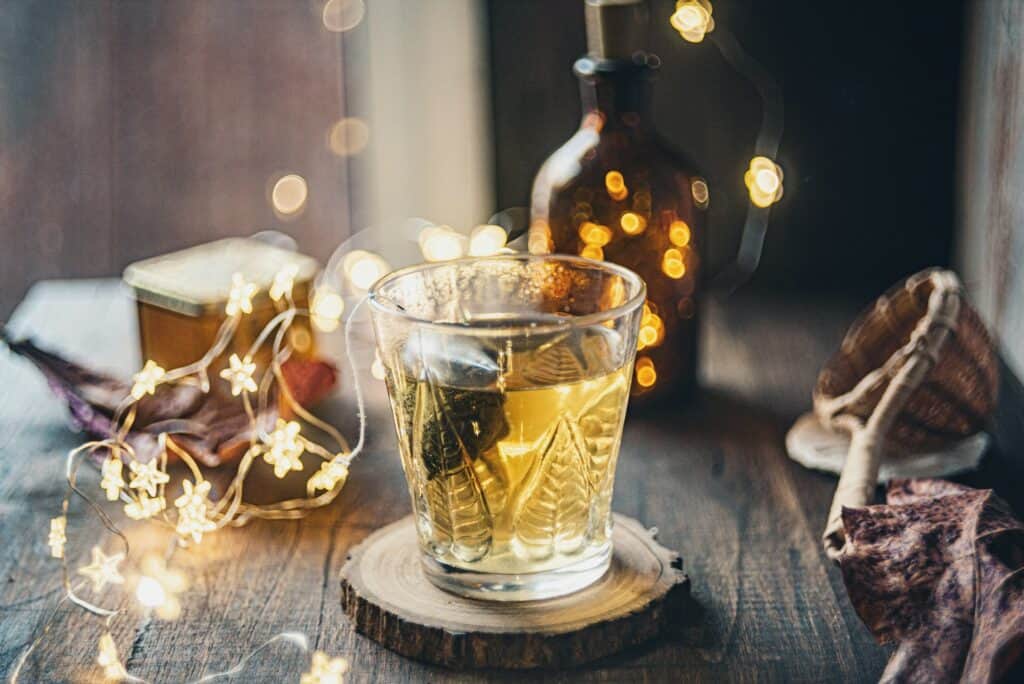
[(131, 128)]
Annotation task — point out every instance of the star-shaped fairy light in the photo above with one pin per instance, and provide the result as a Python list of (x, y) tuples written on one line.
[(192, 508), (145, 381), (58, 536), (239, 374), (240, 296), (327, 478), (103, 569), (144, 507), (325, 670), (109, 660), (147, 476), (284, 448), (112, 481), (283, 283)]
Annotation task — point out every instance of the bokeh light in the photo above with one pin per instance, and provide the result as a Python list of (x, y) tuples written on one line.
[(487, 240), (692, 19), (679, 233), (595, 234), (343, 15), (289, 194), (615, 184), (592, 252), (441, 243), (363, 268), (348, 136), (764, 182), (672, 263), (646, 376), (632, 223), (700, 192), (326, 309)]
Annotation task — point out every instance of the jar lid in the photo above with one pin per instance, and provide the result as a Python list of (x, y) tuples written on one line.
[(195, 280)]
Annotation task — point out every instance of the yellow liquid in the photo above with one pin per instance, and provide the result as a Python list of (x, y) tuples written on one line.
[(515, 479)]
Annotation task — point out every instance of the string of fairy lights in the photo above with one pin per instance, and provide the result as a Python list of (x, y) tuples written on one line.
[(189, 510)]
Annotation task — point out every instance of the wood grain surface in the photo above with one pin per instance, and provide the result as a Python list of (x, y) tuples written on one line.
[(387, 597), (712, 476)]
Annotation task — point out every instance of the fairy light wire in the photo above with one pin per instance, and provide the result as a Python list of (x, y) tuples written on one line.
[(197, 514)]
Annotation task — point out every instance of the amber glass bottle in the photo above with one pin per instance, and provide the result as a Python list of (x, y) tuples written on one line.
[(616, 191)]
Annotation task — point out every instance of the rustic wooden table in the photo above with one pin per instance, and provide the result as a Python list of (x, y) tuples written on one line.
[(713, 477)]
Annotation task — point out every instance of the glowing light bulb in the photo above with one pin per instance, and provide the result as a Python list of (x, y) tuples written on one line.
[(615, 184), (112, 481), (284, 281), (326, 309), (343, 15), (109, 660), (348, 137), (289, 194), (592, 252), (679, 233), (58, 536), (672, 264), (150, 593), (363, 268), (240, 296), (764, 182), (645, 373), (331, 473), (239, 374), (486, 240), (325, 670), (145, 381), (648, 335), (284, 448), (632, 224), (692, 19), (595, 234), (700, 192), (441, 243)]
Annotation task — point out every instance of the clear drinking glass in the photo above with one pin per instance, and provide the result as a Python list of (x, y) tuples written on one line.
[(509, 378)]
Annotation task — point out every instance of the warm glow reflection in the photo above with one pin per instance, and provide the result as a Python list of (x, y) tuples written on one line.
[(441, 243), (764, 181), (692, 19), (363, 268), (595, 234), (615, 184), (679, 233), (348, 137), (343, 15), (632, 224), (326, 309), (592, 252), (645, 373), (289, 194), (486, 240), (672, 264)]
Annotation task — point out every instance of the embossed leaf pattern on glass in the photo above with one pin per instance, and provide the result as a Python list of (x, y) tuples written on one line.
[(446, 420), (600, 426), (553, 515)]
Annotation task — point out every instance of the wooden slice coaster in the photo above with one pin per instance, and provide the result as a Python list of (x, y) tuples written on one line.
[(389, 599)]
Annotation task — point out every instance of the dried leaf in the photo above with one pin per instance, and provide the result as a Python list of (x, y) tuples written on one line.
[(212, 427), (940, 570)]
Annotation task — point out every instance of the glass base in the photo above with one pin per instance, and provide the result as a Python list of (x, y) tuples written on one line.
[(493, 586)]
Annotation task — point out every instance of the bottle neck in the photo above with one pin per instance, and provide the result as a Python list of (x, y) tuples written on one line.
[(615, 95)]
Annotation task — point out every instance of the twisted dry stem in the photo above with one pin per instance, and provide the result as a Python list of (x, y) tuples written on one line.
[(906, 369)]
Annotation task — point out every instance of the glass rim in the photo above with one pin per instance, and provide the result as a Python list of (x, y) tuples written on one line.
[(390, 308)]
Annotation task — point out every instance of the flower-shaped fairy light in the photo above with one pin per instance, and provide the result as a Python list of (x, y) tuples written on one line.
[(283, 448), (58, 536), (112, 481), (325, 670), (240, 374), (193, 505), (146, 380)]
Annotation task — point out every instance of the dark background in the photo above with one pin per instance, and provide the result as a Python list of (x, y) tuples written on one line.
[(871, 97)]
